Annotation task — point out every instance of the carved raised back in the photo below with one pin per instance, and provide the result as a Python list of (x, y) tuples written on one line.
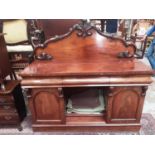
[(84, 43), (84, 51)]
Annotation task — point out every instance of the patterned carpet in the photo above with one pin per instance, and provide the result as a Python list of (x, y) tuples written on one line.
[(147, 121)]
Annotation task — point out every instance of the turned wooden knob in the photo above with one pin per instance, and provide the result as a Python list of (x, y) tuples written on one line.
[(6, 107), (8, 117)]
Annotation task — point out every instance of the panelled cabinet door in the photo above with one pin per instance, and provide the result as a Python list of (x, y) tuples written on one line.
[(125, 104), (47, 106)]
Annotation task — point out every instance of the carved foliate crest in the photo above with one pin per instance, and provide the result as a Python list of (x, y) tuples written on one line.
[(84, 28)]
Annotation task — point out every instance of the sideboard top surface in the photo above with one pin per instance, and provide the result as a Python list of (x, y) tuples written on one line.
[(46, 69)]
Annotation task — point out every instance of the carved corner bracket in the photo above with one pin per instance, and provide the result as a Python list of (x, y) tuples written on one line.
[(125, 54), (144, 89), (111, 88), (60, 91)]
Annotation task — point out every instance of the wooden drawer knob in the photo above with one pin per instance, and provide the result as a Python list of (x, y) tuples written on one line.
[(6, 107), (7, 117)]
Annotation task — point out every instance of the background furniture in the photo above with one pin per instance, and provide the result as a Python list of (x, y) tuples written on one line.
[(139, 29), (18, 41), (52, 27), (81, 59), (5, 66), (12, 105), (117, 27)]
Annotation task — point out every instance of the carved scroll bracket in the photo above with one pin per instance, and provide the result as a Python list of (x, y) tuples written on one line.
[(125, 54), (43, 56), (144, 89)]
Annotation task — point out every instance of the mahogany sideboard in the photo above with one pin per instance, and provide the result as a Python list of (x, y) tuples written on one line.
[(86, 58)]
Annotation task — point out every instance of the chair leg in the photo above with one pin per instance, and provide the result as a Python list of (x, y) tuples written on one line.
[(13, 76), (20, 128), (144, 47)]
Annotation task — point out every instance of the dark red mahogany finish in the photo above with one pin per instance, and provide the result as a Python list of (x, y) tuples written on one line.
[(85, 57)]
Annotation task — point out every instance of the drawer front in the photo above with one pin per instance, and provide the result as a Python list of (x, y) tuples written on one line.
[(9, 118), (6, 99), (7, 108)]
